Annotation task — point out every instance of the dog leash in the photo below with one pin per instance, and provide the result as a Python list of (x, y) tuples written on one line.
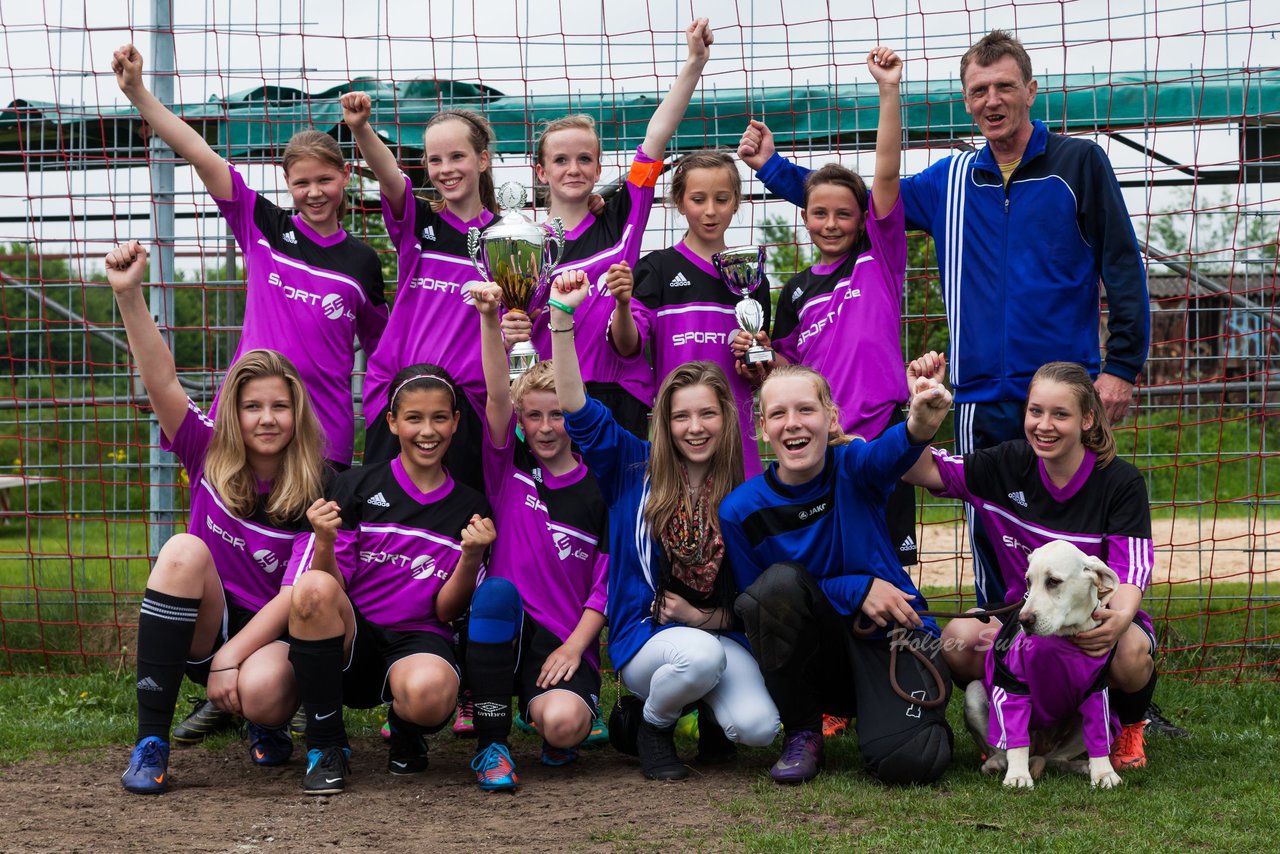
[(898, 640)]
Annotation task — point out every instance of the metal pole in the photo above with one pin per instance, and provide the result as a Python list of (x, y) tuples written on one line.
[(163, 469)]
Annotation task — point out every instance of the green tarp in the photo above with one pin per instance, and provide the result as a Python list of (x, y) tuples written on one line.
[(253, 125)]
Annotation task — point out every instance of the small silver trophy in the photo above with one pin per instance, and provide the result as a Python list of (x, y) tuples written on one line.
[(515, 257), (742, 270)]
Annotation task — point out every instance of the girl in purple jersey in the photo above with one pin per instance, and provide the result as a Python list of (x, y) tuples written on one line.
[(214, 604), (310, 288), (394, 559), (672, 632), (432, 320), (1063, 482), (607, 246), (534, 624), (692, 310)]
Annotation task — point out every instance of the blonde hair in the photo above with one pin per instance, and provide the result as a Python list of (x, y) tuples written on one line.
[(481, 136), (708, 159), (666, 483), (576, 121), (836, 436), (538, 378), (1097, 438), (300, 479), (317, 146)]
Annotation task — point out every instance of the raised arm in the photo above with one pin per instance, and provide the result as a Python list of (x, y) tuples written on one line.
[(779, 175), (185, 141), (930, 368), (568, 292), (886, 68), (493, 357), (125, 266), (356, 110), (665, 119)]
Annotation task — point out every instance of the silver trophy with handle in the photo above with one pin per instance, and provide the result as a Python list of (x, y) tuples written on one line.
[(513, 253), (741, 268)]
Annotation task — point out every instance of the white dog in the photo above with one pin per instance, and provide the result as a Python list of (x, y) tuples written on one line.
[(1044, 691)]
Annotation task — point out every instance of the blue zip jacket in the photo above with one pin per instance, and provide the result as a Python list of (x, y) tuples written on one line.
[(1020, 267)]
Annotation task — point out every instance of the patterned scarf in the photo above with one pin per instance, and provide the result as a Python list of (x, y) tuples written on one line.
[(692, 543)]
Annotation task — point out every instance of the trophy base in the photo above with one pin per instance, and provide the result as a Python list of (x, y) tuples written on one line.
[(757, 355)]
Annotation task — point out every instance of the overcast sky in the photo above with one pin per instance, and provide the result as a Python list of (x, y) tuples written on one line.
[(59, 50)]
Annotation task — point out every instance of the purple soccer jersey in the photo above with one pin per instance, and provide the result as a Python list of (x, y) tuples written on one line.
[(397, 545), (253, 556), (593, 246), (1102, 511), (308, 297), (693, 318), (553, 546), (434, 318), (845, 321), (1036, 682)]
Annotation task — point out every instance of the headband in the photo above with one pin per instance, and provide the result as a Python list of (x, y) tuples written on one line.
[(452, 397)]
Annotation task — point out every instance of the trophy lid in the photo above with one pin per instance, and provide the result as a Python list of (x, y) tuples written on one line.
[(512, 223)]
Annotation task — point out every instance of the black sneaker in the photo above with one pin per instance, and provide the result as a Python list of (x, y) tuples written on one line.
[(658, 757), (408, 753), (1158, 723), (205, 720), (326, 771), (714, 747)]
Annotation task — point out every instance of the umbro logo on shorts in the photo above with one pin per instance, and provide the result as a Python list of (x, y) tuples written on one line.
[(290, 237), (148, 684), (680, 281), (429, 233), (907, 545), (1018, 498), (379, 500)]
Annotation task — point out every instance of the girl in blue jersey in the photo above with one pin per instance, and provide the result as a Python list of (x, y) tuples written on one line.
[(214, 604), (672, 632), (810, 549)]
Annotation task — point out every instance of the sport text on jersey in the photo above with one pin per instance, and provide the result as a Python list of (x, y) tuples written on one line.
[(699, 336), (334, 306), (821, 322), (431, 285), (421, 566)]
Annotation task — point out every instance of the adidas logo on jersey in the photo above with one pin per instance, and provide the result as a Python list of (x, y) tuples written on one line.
[(680, 281), (429, 233), (290, 237), (379, 500), (908, 544), (796, 294), (1018, 498), (148, 684)]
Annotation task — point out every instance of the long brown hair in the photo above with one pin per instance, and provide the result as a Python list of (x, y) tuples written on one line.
[(480, 135), (666, 481), (300, 480), (836, 436), (1098, 438), (840, 176), (318, 146), (708, 159)]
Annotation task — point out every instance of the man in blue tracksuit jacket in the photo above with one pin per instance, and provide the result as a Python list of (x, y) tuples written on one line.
[(1024, 229)]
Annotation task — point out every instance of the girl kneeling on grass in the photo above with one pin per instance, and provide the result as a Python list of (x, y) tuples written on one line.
[(812, 554), (214, 606), (672, 632), (535, 621), (1063, 482), (394, 558)]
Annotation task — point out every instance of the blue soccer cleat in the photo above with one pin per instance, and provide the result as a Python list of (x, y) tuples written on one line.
[(148, 772)]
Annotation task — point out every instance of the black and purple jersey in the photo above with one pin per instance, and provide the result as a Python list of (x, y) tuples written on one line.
[(554, 539), (594, 245), (434, 318), (1102, 511), (693, 318), (1041, 682), (397, 545), (844, 320), (253, 556), (308, 297)]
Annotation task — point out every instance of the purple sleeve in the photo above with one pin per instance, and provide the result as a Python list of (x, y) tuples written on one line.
[(402, 230), (598, 598), (371, 322), (191, 442), (304, 546), (1131, 558), (951, 470), (1009, 724), (1095, 713), (346, 552), (497, 459), (238, 210), (888, 236)]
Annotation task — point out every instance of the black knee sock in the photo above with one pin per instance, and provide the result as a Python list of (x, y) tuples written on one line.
[(166, 626), (489, 673), (399, 724), (317, 665), (1132, 708)]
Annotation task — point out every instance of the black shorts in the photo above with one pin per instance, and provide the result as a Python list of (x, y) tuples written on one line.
[(631, 413), (234, 619), (374, 649), (463, 458), (535, 645)]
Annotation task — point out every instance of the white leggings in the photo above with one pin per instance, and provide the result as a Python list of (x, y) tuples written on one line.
[(681, 665)]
